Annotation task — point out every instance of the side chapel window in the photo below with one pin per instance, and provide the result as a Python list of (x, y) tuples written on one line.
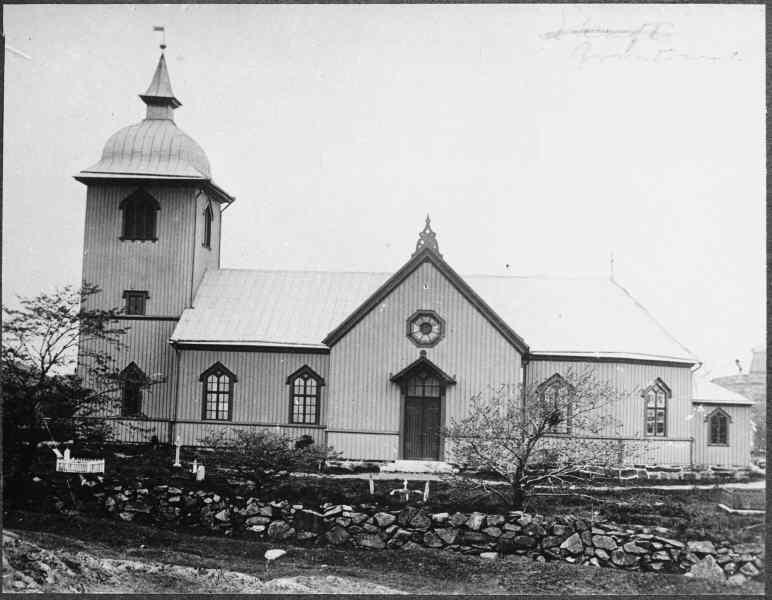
[(305, 396), (718, 427), (139, 216), (132, 380), (655, 398), (208, 217), (554, 394), (217, 390)]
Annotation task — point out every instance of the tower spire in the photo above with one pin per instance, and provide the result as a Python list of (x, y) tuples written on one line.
[(159, 97), (427, 238)]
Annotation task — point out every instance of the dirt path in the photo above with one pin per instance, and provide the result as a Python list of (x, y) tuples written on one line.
[(30, 567)]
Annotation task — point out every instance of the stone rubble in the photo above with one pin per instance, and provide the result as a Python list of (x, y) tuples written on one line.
[(574, 540)]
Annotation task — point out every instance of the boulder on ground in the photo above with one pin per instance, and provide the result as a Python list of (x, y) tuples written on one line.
[(447, 535), (622, 559), (280, 530), (604, 541), (750, 570), (432, 540), (369, 540), (573, 544), (383, 519), (707, 568), (337, 536), (475, 521), (701, 547)]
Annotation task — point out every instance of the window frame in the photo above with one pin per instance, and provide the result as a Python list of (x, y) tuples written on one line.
[(134, 378), (718, 413), (557, 382), (208, 221), (149, 231), (217, 370), (657, 387), (305, 372), (128, 295)]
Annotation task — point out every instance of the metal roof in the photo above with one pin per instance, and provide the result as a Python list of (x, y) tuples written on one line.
[(705, 391), (558, 316), (153, 147), (160, 88)]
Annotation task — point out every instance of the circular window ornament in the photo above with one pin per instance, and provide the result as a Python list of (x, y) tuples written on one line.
[(425, 328)]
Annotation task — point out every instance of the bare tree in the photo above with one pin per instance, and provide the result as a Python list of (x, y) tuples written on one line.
[(552, 434), (38, 367)]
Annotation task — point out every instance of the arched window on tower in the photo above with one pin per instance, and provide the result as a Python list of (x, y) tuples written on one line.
[(305, 396), (554, 396), (217, 387), (132, 380), (718, 427), (139, 216), (208, 218)]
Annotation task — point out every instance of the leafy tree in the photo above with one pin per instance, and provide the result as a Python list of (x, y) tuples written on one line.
[(45, 341), (264, 457), (545, 435)]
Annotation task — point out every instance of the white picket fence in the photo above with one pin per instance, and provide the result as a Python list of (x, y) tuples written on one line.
[(80, 465)]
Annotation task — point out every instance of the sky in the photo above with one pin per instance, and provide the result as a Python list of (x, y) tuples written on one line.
[(540, 138)]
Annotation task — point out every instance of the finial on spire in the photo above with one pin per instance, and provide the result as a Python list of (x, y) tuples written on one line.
[(427, 239), (162, 29)]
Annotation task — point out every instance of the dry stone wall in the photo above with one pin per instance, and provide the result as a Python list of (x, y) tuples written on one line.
[(570, 539)]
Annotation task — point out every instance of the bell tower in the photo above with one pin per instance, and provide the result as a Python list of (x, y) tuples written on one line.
[(152, 229)]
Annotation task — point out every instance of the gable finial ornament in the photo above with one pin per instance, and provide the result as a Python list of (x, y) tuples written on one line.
[(427, 238)]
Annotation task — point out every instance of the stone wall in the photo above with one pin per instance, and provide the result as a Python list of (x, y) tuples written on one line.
[(574, 540)]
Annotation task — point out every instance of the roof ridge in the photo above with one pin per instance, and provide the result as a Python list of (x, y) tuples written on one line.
[(345, 272)]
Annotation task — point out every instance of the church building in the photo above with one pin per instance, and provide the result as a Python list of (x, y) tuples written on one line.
[(372, 364)]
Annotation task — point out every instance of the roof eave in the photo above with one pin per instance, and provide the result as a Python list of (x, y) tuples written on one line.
[(221, 195)]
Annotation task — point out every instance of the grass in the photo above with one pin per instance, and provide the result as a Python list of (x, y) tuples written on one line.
[(416, 572)]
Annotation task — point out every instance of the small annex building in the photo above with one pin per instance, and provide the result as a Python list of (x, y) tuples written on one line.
[(373, 364)]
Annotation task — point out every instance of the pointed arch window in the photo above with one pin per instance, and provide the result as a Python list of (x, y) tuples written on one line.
[(217, 391), (305, 389), (718, 427), (656, 398), (139, 217), (132, 381), (208, 218), (554, 396)]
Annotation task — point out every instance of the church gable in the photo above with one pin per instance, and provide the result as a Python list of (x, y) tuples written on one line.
[(426, 253)]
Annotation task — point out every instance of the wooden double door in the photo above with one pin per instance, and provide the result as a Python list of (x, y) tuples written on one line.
[(423, 417)]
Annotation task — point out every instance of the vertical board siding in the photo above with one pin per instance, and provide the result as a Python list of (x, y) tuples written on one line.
[(738, 452), (147, 344), (205, 258), (163, 267), (192, 433), (364, 446), (629, 380), (261, 394), (361, 363)]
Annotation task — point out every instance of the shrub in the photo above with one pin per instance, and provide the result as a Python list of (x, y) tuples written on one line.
[(263, 456)]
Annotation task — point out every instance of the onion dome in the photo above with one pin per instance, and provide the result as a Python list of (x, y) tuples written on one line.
[(154, 148)]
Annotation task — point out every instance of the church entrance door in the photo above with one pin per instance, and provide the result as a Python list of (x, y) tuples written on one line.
[(423, 395)]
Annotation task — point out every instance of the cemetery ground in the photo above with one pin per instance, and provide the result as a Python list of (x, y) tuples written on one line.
[(188, 560)]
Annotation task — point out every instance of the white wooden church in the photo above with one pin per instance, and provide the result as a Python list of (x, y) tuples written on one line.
[(373, 364)]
